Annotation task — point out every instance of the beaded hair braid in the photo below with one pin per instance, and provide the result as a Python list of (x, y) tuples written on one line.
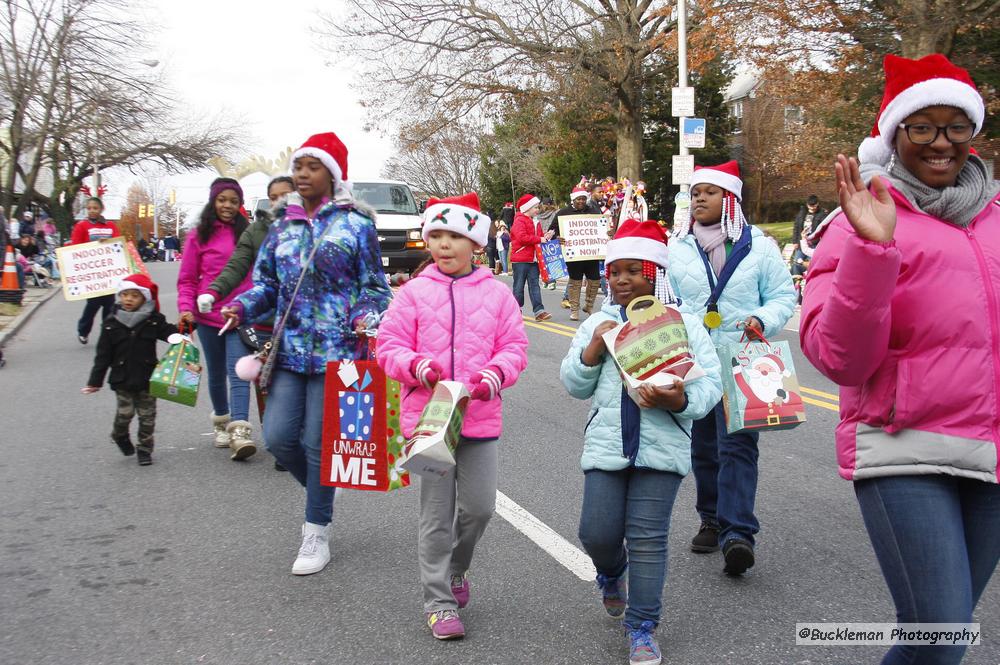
[(733, 220), (656, 276)]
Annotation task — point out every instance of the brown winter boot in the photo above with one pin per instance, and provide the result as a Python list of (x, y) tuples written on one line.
[(591, 295), (240, 442), (574, 299)]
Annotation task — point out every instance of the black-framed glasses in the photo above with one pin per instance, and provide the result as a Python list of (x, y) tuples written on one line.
[(923, 133)]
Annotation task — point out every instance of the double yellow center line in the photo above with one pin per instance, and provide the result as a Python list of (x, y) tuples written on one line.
[(828, 401)]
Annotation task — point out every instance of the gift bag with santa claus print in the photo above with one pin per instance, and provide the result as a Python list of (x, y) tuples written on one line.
[(760, 387)]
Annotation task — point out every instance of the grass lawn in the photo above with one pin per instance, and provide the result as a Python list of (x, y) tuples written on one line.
[(782, 231)]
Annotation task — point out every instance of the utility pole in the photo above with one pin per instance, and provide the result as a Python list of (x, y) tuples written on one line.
[(682, 71), (682, 107), (93, 158)]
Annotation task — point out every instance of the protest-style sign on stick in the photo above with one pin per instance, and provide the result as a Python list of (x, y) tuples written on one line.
[(551, 264), (585, 237), (93, 269)]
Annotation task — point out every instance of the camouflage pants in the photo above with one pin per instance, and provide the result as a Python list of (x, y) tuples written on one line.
[(131, 403)]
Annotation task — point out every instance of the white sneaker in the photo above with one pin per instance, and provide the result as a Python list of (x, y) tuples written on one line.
[(314, 553), (219, 424)]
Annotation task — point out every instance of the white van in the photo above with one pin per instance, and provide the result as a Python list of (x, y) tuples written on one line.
[(398, 222)]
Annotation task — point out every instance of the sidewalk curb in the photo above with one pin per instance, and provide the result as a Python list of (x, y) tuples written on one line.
[(26, 312)]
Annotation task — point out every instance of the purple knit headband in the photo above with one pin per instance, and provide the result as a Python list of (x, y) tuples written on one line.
[(219, 187)]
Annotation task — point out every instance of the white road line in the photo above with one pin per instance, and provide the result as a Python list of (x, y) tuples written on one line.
[(560, 549)]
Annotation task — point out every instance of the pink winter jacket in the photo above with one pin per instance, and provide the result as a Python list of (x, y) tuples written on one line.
[(465, 324), (911, 331), (200, 265)]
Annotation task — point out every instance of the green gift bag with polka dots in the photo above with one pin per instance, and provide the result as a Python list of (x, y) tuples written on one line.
[(178, 374)]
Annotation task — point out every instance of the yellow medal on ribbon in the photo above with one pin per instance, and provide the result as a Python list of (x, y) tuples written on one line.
[(712, 318)]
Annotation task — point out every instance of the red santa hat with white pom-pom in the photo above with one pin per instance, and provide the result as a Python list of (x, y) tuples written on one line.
[(142, 284), (727, 177), (458, 214), (912, 85), (644, 241), (331, 151)]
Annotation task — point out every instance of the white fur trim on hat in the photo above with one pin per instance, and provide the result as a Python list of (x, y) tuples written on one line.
[(457, 219), (641, 249), (341, 188), (932, 92), (726, 181), (125, 285), (529, 204)]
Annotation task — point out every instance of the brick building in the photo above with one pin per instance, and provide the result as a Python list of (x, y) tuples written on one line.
[(762, 123)]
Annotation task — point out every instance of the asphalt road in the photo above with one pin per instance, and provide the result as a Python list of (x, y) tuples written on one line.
[(188, 561)]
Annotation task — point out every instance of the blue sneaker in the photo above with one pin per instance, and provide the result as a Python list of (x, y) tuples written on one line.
[(614, 594), (643, 649)]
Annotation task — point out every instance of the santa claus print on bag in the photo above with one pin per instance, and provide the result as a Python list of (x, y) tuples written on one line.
[(762, 391)]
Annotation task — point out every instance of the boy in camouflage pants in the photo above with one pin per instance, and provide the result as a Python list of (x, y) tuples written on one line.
[(128, 347)]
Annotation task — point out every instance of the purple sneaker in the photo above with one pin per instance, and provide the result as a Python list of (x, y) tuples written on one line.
[(643, 649), (445, 625), (460, 589), (614, 594)]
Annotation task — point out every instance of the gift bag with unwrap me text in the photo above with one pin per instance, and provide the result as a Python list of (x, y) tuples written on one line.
[(760, 388), (362, 439), (178, 374), (431, 449)]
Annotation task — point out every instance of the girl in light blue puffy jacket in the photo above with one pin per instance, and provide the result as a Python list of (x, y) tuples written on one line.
[(635, 453), (733, 279)]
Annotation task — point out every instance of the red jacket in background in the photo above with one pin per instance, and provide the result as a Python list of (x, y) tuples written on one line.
[(525, 236), (87, 230)]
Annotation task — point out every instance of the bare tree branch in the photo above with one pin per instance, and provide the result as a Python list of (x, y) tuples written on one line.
[(448, 58)]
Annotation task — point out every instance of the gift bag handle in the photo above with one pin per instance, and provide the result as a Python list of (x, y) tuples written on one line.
[(749, 338), (652, 304)]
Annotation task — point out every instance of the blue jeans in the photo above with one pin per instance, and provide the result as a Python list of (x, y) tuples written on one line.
[(221, 354), (725, 474), (528, 272), (937, 540), (293, 429), (624, 522), (503, 260), (104, 304)]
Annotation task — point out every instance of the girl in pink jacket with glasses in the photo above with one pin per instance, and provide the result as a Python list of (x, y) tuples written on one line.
[(454, 321)]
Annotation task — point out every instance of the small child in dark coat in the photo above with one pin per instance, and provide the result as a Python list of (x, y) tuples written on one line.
[(128, 347)]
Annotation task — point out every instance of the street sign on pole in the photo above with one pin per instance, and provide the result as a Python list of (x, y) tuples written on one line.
[(682, 102), (682, 207), (694, 133), (682, 168)]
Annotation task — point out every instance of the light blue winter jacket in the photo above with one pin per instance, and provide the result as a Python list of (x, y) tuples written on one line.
[(662, 444), (761, 286)]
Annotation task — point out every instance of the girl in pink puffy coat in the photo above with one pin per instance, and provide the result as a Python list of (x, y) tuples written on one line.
[(902, 310), (454, 321)]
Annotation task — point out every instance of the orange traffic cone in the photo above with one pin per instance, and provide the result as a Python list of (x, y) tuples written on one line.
[(10, 292)]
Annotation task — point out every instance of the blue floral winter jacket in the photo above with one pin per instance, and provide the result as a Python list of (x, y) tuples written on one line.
[(664, 441), (344, 283)]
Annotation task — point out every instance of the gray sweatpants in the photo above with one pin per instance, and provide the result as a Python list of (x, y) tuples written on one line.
[(454, 512)]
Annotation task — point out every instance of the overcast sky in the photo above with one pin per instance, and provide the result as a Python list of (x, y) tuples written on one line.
[(259, 64)]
